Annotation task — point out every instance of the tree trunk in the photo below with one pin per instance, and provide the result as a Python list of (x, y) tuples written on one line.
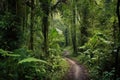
[(45, 5), (85, 23), (74, 41), (118, 45), (32, 26), (66, 37)]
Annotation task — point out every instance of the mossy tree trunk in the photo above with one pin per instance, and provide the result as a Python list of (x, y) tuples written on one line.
[(45, 5), (84, 24), (31, 45), (74, 41)]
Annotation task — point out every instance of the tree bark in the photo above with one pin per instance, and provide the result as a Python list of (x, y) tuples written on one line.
[(32, 26), (118, 46), (74, 41), (45, 5)]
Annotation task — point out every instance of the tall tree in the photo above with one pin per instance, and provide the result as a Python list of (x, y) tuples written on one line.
[(118, 40), (74, 41), (85, 22), (32, 25), (45, 6)]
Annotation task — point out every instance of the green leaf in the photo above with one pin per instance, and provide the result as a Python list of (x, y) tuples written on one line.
[(13, 55), (59, 31), (3, 52), (31, 59)]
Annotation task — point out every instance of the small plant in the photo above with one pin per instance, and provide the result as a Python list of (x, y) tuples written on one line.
[(108, 75)]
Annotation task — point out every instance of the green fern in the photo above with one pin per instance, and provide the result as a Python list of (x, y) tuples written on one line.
[(31, 59), (3, 53)]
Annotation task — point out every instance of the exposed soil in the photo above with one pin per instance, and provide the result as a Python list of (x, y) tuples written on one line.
[(76, 71)]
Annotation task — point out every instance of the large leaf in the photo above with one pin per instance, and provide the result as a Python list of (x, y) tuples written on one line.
[(8, 53), (13, 55), (31, 59)]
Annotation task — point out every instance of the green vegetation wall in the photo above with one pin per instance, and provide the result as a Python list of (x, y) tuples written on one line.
[(10, 25)]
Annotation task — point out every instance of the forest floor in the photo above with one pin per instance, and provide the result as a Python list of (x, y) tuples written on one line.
[(76, 71)]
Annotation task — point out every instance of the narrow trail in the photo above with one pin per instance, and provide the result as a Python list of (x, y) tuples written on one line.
[(76, 71)]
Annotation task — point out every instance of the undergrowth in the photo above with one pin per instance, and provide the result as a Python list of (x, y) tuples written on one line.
[(22, 65), (98, 57)]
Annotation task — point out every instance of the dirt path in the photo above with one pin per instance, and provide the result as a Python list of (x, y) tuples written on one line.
[(76, 71)]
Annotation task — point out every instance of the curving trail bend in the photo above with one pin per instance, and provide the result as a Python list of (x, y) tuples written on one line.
[(76, 71)]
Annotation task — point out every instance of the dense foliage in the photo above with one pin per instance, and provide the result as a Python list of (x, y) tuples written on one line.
[(35, 33), (21, 64)]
